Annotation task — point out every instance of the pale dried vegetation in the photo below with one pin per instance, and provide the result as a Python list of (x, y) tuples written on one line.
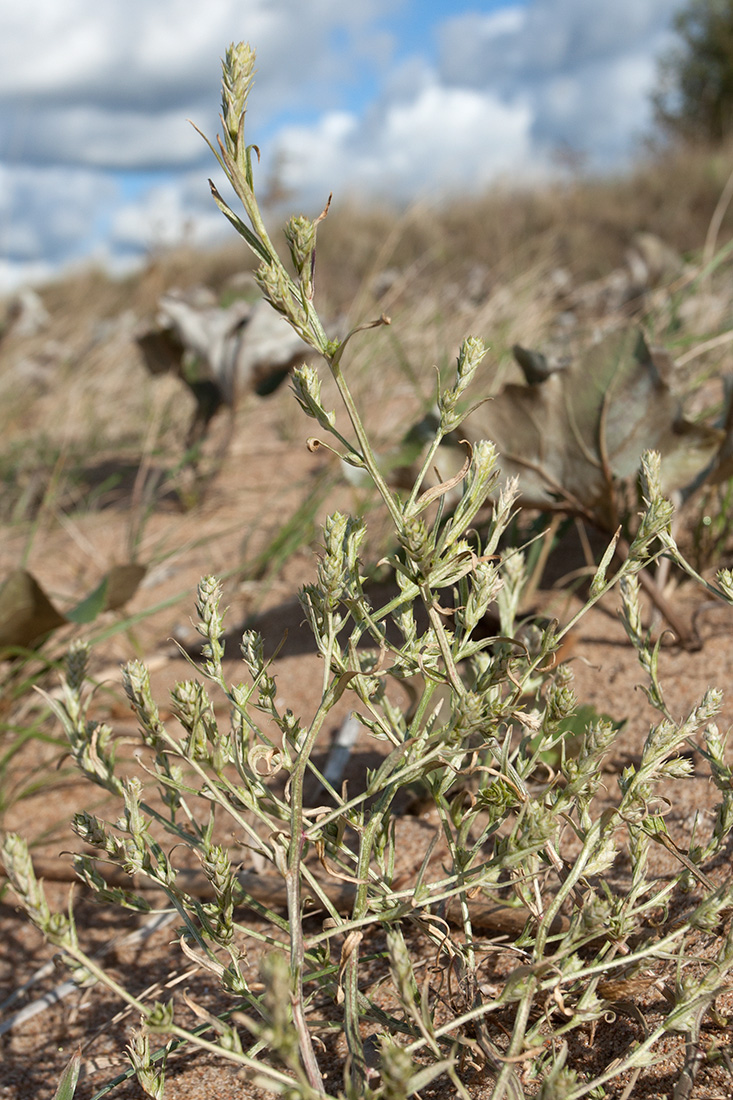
[(538, 949)]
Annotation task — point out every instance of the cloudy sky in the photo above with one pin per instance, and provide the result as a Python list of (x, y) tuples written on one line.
[(394, 98)]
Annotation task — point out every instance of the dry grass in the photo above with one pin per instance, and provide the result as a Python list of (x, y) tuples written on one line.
[(83, 426), (483, 265)]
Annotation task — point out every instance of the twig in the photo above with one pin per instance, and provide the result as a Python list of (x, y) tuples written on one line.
[(711, 237), (707, 345), (694, 1058), (59, 992)]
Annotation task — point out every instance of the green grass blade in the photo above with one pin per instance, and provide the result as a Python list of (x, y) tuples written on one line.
[(69, 1078)]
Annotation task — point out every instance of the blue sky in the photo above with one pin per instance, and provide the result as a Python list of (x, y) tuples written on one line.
[(390, 99)]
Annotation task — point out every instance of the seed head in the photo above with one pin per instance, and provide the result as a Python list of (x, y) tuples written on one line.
[(237, 74), (307, 389)]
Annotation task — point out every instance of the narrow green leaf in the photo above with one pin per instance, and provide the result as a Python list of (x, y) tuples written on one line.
[(243, 230), (69, 1078), (91, 606), (119, 586)]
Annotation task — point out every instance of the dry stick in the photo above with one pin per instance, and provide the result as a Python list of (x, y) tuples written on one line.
[(695, 1057), (707, 345), (341, 750), (158, 920), (535, 580), (708, 253), (711, 237)]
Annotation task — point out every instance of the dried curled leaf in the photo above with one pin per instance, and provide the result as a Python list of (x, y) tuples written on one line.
[(572, 434), (27, 615)]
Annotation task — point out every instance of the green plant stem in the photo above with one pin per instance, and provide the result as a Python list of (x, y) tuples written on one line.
[(506, 1082), (293, 882), (366, 450), (460, 879), (409, 774), (352, 1012), (516, 1045), (422, 474), (187, 1036), (628, 565), (215, 793), (567, 886), (445, 651), (297, 958)]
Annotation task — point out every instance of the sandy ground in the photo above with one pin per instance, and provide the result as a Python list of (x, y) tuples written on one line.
[(255, 482)]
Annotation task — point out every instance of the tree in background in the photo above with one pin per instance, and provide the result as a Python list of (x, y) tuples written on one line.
[(694, 100)]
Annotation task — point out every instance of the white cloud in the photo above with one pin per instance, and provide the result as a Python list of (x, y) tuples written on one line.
[(98, 137), (48, 213), (440, 140), (181, 210), (585, 70), (512, 88), (113, 64), (48, 217), (90, 89)]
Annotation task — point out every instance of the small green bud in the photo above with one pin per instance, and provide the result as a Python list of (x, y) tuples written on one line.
[(211, 624), (188, 697), (502, 512), (654, 522), (207, 606), (150, 1075), (332, 567), (396, 1067), (253, 652), (136, 682), (486, 582), (300, 233), (237, 74), (278, 289), (481, 480), (497, 799), (679, 767), (707, 915), (417, 542), (195, 715), (92, 831), (218, 870), (631, 610), (400, 966), (709, 708), (651, 476), (469, 714), (471, 353), (306, 386), (599, 581), (160, 1016), (561, 699), (724, 578), (22, 877), (76, 665), (559, 1083)]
